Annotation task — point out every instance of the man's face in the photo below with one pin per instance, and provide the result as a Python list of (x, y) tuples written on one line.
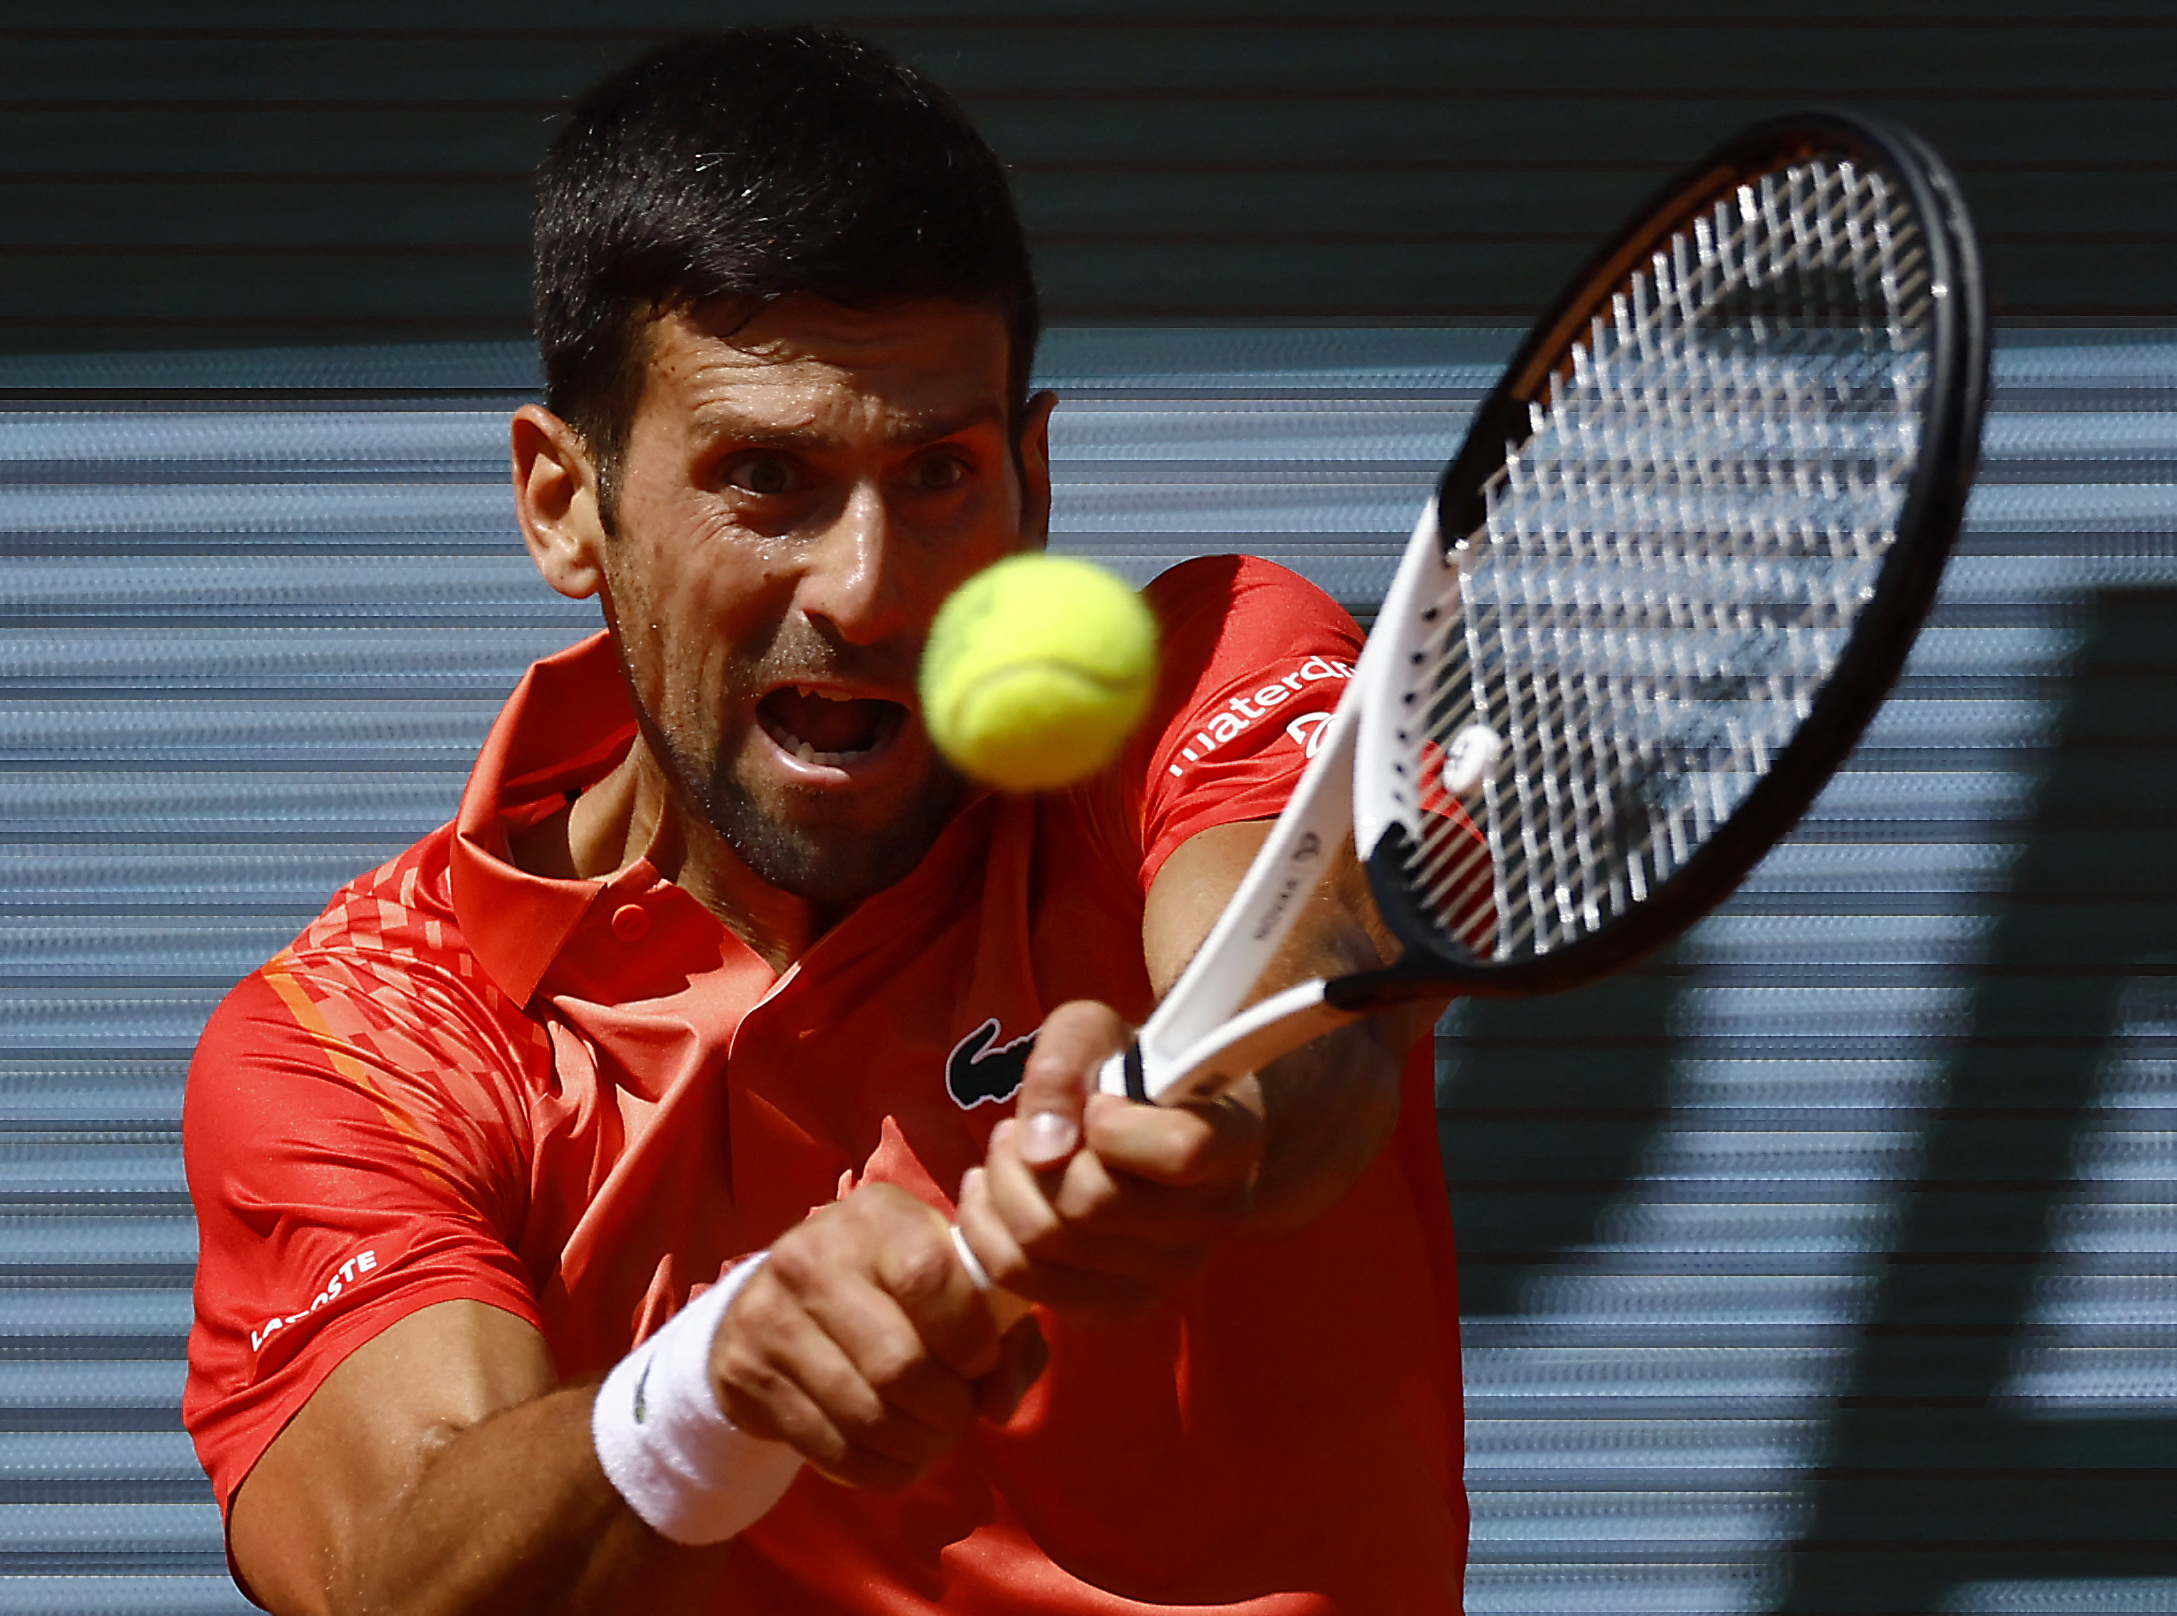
[(800, 492)]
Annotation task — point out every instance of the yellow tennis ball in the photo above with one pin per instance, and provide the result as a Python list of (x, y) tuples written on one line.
[(1037, 670)]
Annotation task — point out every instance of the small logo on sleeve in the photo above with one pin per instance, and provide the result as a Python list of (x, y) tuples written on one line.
[(1240, 714), (980, 1068), (345, 1277)]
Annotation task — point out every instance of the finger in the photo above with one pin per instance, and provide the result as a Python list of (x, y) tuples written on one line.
[(1219, 1143), (781, 1377), (996, 1247), (820, 1319), (899, 1402), (1008, 1210), (1143, 1240), (1084, 1214), (1012, 1192), (897, 1398), (1072, 1044), (985, 1231), (787, 1414), (918, 1268)]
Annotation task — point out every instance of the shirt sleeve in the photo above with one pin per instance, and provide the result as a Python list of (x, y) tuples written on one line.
[(355, 1152), (1254, 660)]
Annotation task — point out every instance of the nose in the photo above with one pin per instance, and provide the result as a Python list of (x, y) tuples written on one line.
[(856, 580)]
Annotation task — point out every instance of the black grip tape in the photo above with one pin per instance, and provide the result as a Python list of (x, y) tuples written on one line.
[(1136, 1088)]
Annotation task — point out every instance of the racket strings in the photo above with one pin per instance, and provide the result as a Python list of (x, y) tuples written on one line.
[(1675, 559)]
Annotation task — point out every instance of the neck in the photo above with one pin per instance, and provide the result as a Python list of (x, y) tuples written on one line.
[(632, 814)]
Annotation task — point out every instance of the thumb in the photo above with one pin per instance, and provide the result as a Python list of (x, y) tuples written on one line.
[(1073, 1043)]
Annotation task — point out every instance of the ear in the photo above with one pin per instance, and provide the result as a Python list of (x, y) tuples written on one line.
[(555, 500), (1035, 469)]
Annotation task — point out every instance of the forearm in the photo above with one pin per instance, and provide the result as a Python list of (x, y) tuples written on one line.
[(441, 1468), (510, 1514), (1328, 1108), (514, 1515)]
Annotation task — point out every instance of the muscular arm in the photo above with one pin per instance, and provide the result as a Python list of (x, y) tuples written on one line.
[(1330, 1105), (442, 1468), (395, 1488)]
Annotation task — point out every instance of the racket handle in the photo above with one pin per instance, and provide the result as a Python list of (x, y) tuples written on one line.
[(1122, 1073)]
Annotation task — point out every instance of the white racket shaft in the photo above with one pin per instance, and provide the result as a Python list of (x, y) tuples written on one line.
[(1197, 1042)]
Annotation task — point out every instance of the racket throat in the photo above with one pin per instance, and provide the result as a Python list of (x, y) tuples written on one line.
[(1426, 948), (1230, 1053)]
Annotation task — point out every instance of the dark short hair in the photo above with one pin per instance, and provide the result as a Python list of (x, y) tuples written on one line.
[(755, 163)]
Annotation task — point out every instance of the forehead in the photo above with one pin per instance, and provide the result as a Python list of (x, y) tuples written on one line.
[(800, 360)]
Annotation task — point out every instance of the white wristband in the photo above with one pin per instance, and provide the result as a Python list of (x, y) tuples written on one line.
[(681, 1464)]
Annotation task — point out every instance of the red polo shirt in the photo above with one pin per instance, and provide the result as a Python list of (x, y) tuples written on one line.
[(574, 1100)]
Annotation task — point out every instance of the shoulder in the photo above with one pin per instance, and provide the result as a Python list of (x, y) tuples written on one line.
[(1227, 595), (379, 1003), (396, 927), (1230, 621), (1254, 657)]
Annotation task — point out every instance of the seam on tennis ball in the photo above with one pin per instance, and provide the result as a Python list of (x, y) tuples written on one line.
[(1058, 665)]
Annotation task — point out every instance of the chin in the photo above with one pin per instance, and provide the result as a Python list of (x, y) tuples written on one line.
[(838, 862)]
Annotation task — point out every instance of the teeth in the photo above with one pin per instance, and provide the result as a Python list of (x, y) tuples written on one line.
[(804, 749)]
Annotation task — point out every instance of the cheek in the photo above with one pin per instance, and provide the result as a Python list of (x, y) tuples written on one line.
[(692, 618)]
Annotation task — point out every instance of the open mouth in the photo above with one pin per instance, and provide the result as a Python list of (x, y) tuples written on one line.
[(823, 727)]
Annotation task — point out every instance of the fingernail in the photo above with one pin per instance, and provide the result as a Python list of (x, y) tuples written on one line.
[(970, 1182), (1048, 1136)]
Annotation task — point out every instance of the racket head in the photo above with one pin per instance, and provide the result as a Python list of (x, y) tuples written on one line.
[(1605, 841)]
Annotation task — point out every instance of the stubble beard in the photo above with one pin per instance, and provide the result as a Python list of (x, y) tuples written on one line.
[(834, 867)]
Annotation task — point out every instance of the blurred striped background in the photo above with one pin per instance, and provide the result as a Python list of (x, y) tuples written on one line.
[(1823, 1265)]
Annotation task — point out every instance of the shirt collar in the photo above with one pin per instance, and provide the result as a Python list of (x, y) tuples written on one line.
[(567, 723)]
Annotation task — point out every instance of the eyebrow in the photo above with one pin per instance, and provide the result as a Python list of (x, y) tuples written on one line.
[(920, 426)]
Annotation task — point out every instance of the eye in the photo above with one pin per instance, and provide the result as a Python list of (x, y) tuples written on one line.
[(935, 473), (762, 474)]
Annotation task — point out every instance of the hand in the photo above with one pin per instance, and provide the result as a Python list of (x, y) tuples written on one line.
[(861, 1343), (1092, 1203)]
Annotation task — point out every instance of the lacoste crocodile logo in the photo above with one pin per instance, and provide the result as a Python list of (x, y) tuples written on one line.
[(980, 1068)]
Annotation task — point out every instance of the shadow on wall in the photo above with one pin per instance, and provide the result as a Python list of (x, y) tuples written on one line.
[(1544, 1116), (1936, 1474)]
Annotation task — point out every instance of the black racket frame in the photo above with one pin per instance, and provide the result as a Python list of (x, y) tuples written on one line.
[(1926, 528)]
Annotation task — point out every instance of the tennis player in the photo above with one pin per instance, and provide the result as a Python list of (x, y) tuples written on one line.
[(576, 1192)]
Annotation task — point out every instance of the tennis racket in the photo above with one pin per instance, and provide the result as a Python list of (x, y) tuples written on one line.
[(1668, 579)]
